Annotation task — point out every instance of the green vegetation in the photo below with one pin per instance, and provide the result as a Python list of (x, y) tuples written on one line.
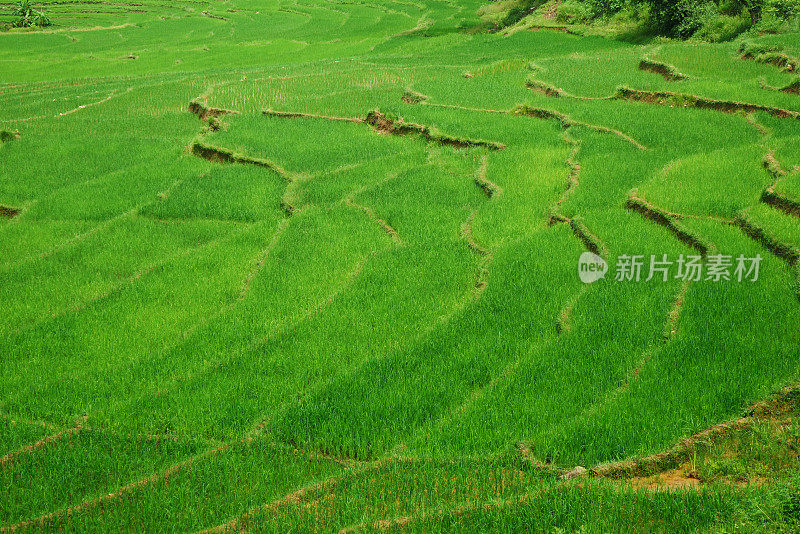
[(27, 16), (704, 20), (281, 265)]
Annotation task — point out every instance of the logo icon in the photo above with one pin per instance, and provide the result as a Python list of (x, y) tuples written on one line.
[(591, 268)]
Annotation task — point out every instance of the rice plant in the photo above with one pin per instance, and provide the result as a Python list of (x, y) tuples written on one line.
[(315, 266)]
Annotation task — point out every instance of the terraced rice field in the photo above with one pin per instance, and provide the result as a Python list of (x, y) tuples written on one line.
[(313, 265)]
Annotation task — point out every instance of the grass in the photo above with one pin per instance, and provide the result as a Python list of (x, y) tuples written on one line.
[(233, 297)]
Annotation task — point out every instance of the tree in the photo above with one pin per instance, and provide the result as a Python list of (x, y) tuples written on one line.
[(754, 7)]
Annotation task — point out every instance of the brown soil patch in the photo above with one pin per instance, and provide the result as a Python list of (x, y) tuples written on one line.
[(674, 479), (381, 123), (793, 88), (216, 154), (774, 168), (591, 242), (212, 154), (664, 98), (763, 130), (212, 16), (544, 89), (205, 113), (546, 114), (573, 180), (564, 323), (776, 59), (8, 213), (297, 115), (780, 202), (413, 97), (387, 126)]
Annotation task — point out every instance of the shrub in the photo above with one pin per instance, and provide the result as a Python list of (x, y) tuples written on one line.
[(27, 16), (721, 28), (684, 17)]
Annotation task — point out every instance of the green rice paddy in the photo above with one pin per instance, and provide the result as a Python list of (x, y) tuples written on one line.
[(287, 265)]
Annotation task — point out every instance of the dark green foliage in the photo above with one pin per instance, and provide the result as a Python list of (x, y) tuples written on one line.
[(683, 18), (707, 20), (786, 9), (755, 8), (679, 18)]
